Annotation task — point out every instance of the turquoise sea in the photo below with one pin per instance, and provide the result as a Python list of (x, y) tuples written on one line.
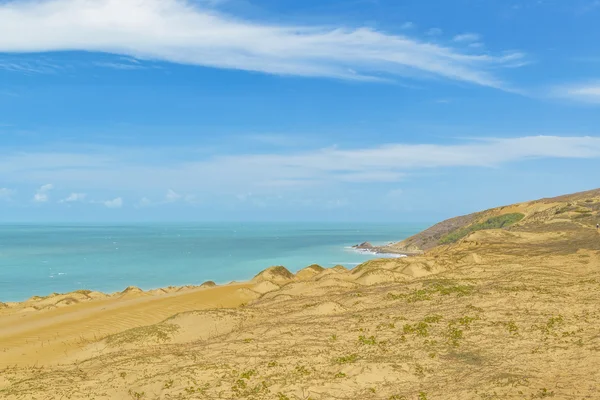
[(42, 259)]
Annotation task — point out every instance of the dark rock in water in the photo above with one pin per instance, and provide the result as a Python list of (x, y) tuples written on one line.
[(365, 245)]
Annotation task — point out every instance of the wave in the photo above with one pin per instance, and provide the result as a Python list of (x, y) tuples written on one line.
[(375, 253)]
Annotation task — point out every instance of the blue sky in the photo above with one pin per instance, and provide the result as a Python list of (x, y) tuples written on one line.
[(168, 110)]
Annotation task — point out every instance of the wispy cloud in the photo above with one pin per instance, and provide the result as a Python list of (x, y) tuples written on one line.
[(6, 193), (181, 31), (585, 92), (173, 197), (41, 196), (74, 197), (144, 202), (115, 203), (28, 66), (113, 169), (121, 66), (170, 197), (435, 32), (466, 38), (476, 45)]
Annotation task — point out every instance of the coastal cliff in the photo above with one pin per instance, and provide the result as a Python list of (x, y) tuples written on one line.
[(574, 210)]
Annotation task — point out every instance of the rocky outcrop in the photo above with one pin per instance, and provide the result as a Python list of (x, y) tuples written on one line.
[(364, 246)]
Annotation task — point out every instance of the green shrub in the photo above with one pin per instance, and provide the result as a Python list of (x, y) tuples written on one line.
[(501, 221), (346, 359)]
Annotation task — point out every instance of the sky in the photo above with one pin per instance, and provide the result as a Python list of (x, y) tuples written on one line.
[(264, 110)]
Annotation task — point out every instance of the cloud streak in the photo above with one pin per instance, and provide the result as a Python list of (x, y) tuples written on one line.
[(113, 169), (74, 198), (171, 197), (467, 38), (586, 92), (185, 32)]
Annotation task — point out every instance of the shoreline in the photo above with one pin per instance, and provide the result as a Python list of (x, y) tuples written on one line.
[(373, 251), (57, 300), (367, 247), (91, 295)]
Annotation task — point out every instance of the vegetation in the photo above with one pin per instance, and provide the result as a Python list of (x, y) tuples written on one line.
[(443, 288), (371, 341), (159, 333), (501, 221), (419, 329), (346, 359)]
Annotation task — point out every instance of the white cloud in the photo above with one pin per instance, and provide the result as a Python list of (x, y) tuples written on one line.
[(144, 202), (128, 169), (586, 92), (466, 38), (116, 203), (185, 32), (41, 196), (74, 197), (172, 196), (6, 194)]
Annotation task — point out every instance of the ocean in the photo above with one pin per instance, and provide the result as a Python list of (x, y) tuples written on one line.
[(44, 259)]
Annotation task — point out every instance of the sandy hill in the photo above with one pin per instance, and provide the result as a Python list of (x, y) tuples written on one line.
[(505, 308), (575, 210)]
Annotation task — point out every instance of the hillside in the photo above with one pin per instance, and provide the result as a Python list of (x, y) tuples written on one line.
[(577, 210), (504, 313)]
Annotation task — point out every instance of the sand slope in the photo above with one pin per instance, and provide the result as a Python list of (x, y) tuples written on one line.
[(42, 337)]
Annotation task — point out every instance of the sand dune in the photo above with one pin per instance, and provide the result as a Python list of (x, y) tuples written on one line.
[(43, 336)]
